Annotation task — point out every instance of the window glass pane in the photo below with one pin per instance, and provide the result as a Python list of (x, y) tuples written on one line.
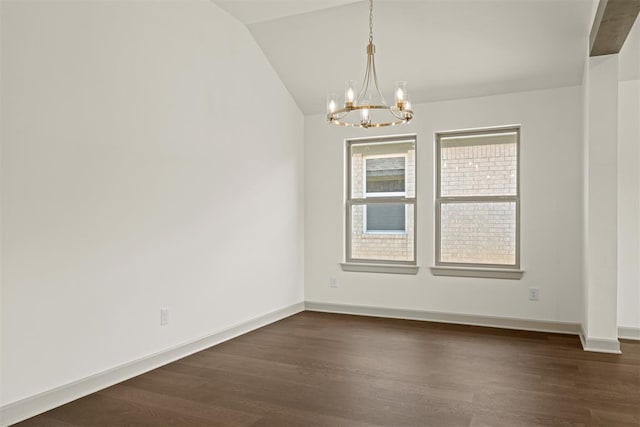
[(385, 217), (478, 233), (479, 165), (392, 244), (382, 169), (385, 175)]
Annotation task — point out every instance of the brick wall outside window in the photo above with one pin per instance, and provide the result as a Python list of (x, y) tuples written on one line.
[(478, 231)]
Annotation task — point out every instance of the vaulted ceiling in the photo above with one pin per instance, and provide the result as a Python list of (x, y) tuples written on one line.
[(445, 49)]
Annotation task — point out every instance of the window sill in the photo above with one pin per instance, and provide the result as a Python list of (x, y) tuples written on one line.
[(490, 273), (379, 268)]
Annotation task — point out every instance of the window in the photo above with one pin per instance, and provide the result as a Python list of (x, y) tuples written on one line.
[(381, 201), (384, 176), (477, 199)]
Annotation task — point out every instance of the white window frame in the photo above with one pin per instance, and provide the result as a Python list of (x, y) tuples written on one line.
[(387, 194), (372, 265), (504, 271)]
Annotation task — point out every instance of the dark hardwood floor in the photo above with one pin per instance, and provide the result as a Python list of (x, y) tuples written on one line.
[(316, 369)]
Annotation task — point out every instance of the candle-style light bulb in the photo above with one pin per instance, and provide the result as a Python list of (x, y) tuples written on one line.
[(332, 105), (401, 94), (407, 107), (350, 93), (364, 116)]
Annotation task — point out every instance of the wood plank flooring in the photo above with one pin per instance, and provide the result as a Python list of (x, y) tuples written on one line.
[(318, 369)]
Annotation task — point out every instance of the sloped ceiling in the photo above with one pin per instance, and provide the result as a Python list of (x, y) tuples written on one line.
[(254, 11), (445, 49)]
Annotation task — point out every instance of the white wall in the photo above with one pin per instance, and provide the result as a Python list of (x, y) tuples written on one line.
[(150, 158), (629, 182), (551, 171)]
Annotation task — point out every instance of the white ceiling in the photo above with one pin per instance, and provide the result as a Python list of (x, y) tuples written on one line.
[(252, 11), (445, 49)]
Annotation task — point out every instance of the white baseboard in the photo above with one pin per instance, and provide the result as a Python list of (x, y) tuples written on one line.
[(434, 316), (28, 407), (629, 333), (599, 345)]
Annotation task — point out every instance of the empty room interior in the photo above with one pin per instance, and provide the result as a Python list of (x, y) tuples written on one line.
[(320, 213)]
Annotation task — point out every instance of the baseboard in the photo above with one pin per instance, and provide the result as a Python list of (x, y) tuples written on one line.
[(28, 407), (629, 333), (434, 316), (599, 345)]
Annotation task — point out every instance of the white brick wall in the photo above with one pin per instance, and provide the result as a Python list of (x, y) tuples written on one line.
[(480, 233), (479, 170)]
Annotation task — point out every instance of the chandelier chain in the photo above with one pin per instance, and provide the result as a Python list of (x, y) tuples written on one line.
[(370, 21)]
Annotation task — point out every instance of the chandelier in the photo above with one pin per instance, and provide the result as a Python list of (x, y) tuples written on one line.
[(367, 108)]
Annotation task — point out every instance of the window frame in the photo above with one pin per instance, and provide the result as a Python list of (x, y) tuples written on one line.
[(349, 202), (440, 200), (387, 194)]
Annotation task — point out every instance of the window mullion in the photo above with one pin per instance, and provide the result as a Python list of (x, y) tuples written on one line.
[(477, 199), (382, 200)]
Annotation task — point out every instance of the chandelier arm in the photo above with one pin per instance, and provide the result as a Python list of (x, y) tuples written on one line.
[(403, 114), (365, 81), (395, 114), (375, 79)]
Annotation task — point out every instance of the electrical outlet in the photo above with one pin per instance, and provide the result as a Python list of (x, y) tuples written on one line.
[(164, 316), (534, 294), (333, 282)]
